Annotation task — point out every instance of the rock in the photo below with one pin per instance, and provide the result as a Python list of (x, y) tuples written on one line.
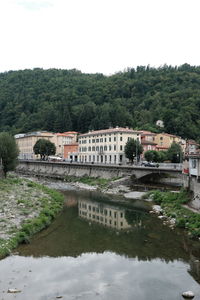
[(188, 295), (13, 291), (157, 209), (59, 297)]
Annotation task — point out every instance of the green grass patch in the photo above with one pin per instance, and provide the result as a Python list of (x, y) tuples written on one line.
[(100, 182)]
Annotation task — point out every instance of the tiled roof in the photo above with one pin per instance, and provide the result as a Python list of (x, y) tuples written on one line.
[(145, 132), (110, 130)]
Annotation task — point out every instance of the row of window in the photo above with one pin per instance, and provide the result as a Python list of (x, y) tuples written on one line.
[(100, 149), (101, 219), (104, 211), (98, 158), (101, 140)]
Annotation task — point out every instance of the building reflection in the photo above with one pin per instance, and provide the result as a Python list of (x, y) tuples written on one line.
[(107, 215), (194, 268)]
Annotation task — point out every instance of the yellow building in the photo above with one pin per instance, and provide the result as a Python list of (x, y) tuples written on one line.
[(164, 141), (106, 145)]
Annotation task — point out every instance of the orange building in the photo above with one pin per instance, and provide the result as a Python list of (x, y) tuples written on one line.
[(69, 149)]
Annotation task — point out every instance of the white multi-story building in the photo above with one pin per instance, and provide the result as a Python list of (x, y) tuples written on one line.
[(105, 146)]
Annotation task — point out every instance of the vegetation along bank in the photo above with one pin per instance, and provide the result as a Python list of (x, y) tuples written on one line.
[(25, 208), (175, 212)]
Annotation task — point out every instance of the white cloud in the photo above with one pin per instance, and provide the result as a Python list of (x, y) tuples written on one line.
[(98, 35)]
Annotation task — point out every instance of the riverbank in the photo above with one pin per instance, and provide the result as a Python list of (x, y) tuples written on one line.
[(172, 207), (174, 210), (25, 208)]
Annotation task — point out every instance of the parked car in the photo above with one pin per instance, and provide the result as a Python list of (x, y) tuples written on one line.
[(150, 164)]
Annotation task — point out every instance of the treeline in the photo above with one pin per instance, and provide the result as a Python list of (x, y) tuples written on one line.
[(61, 100)]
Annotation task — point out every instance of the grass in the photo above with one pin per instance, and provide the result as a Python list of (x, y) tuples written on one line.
[(172, 205), (100, 182), (50, 206)]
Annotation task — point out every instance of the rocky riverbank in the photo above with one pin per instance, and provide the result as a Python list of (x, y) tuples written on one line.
[(25, 208)]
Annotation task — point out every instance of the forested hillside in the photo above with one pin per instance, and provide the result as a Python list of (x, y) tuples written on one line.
[(61, 100)]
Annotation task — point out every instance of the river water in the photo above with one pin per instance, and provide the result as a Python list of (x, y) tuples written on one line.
[(102, 247)]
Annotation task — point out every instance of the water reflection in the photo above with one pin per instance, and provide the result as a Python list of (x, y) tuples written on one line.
[(137, 233), (105, 249), (104, 214)]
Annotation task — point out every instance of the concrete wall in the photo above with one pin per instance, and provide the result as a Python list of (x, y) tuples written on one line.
[(60, 170)]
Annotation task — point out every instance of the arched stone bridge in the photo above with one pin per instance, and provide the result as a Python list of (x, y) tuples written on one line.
[(63, 169)]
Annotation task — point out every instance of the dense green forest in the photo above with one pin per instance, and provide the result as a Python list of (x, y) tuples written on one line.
[(61, 100)]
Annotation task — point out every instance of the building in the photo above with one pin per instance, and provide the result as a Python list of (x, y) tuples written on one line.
[(26, 142), (103, 214), (105, 146), (148, 141), (192, 147), (61, 139), (165, 140), (70, 151), (159, 123)]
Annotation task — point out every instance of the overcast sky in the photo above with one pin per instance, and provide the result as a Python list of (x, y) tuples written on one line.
[(98, 36)]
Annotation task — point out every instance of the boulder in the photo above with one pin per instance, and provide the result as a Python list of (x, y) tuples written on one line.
[(188, 295)]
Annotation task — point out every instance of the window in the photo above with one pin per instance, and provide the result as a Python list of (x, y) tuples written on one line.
[(93, 140), (97, 140), (105, 140), (161, 138), (114, 138), (194, 163), (110, 148), (105, 148), (121, 138), (121, 147), (121, 215), (109, 139), (114, 147)]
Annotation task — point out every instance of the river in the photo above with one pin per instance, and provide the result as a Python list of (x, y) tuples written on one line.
[(102, 247)]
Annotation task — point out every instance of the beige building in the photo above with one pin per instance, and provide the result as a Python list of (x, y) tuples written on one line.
[(105, 146), (61, 139), (104, 214), (27, 141)]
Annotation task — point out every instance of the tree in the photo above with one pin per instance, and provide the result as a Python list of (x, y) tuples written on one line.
[(8, 152), (44, 148), (133, 148), (174, 153)]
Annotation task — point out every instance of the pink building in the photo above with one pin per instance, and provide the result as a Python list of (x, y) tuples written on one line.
[(148, 140)]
